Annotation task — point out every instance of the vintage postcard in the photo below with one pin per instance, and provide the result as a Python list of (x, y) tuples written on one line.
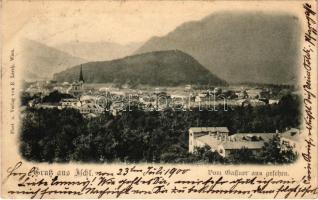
[(159, 99)]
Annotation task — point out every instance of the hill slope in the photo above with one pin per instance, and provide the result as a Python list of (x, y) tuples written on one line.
[(41, 61), (98, 51), (164, 68), (238, 47)]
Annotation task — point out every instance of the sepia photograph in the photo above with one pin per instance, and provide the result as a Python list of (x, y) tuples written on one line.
[(219, 88)]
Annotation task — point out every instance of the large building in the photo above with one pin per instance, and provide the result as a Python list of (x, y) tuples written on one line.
[(219, 140), (211, 136)]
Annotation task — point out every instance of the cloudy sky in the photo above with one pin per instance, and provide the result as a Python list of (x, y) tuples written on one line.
[(122, 22)]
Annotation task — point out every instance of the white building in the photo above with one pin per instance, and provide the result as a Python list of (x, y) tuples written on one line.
[(211, 136), (91, 108), (218, 139), (70, 103), (75, 89)]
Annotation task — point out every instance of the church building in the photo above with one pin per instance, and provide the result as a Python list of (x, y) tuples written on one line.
[(77, 88)]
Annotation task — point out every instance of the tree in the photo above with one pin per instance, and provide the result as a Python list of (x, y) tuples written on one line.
[(275, 152), (242, 155), (174, 154), (53, 135), (55, 97), (205, 154)]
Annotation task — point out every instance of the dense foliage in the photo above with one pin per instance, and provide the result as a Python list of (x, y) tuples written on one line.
[(274, 152), (52, 135), (55, 97)]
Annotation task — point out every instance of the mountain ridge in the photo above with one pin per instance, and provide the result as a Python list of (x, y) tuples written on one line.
[(263, 46), (98, 51), (41, 61), (158, 68)]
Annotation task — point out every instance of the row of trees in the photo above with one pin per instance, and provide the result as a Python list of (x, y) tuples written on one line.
[(52, 135)]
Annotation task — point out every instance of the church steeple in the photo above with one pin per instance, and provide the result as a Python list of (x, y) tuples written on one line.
[(81, 79)]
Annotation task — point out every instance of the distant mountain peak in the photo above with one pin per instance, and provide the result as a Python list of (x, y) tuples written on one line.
[(41, 61), (238, 46), (158, 68)]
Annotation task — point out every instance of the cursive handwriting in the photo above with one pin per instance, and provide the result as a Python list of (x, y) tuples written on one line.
[(311, 33), (308, 90), (149, 180)]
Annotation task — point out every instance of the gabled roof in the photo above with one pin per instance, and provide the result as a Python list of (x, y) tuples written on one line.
[(291, 134), (228, 145), (252, 136)]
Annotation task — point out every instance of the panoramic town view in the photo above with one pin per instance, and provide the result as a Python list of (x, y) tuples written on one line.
[(179, 98)]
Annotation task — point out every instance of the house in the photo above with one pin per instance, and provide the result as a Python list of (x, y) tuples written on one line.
[(75, 89), (91, 108), (251, 141), (197, 99), (252, 102), (37, 89), (188, 87), (89, 99), (254, 93), (228, 147), (70, 103), (179, 101), (242, 94), (273, 101), (117, 93), (211, 136), (117, 107), (60, 89), (219, 140), (148, 99), (45, 106)]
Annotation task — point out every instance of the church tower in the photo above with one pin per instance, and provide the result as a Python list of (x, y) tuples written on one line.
[(81, 79)]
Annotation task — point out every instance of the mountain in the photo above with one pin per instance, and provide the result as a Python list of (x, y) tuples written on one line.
[(239, 47), (41, 61), (98, 51), (162, 68)]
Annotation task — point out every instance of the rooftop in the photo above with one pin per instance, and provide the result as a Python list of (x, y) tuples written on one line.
[(252, 136), (209, 129), (291, 134), (242, 144), (210, 141)]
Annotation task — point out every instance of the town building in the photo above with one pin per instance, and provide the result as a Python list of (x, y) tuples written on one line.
[(219, 140), (211, 136), (91, 108), (77, 87), (251, 102), (85, 99), (70, 103)]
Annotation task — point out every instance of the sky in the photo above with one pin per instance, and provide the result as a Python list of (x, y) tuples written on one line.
[(121, 22)]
